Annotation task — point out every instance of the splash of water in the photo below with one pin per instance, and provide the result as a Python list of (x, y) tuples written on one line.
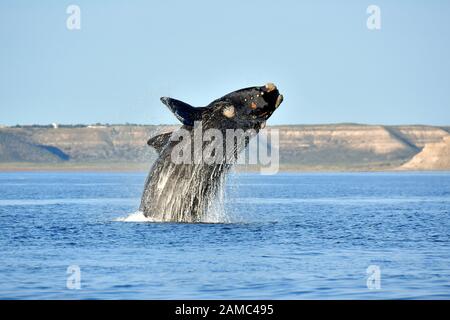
[(185, 193), (137, 216), (213, 201)]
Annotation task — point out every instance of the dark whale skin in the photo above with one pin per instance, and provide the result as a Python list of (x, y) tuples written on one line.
[(180, 192)]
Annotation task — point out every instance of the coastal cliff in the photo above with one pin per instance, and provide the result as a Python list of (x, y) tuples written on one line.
[(351, 147)]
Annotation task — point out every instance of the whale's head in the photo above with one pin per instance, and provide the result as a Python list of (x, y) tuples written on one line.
[(250, 106)]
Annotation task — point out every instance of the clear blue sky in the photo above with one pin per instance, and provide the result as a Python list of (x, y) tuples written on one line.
[(325, 61)]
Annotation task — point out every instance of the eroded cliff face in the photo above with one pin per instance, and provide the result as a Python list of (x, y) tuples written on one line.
[(336, 146), (421, 135), (434, 156), (304, 147), (96, 143)]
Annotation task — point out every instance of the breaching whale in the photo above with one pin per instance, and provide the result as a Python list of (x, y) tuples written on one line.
[(182, 191)]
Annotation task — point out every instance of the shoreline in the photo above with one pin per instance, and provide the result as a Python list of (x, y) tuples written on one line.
[(145, 167)]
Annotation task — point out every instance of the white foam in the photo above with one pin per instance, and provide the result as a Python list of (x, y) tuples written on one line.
[(137, 216)]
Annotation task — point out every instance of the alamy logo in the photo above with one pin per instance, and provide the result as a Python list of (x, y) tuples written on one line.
[(73, 21), (374, 277), (374, 20), (213, 146), (74, 279)]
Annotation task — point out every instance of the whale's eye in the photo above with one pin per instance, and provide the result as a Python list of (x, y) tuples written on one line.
[(229, 112)]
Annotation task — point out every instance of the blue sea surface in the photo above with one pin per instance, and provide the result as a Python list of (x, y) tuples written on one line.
[(289, 236)]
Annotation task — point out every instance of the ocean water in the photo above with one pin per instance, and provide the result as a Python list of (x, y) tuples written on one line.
[(287, 236)]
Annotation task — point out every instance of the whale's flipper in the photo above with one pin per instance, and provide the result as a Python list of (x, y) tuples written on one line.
[(184, 112), (159, 142)]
